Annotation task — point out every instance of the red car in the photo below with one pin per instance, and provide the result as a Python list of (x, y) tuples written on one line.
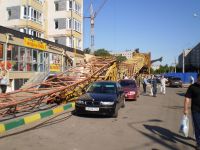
[(130, 89)]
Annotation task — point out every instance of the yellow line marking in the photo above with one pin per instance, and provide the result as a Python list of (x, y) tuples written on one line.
[(32, 118), (73, 105), (58, 110), (2, 128)]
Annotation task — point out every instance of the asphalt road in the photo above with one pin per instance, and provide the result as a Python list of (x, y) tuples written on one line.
[(147, 124)]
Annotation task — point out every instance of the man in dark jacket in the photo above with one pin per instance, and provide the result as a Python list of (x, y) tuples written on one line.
[(193, 95), (154, 86)]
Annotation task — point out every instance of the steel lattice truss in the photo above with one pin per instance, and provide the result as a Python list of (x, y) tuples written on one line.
[(63, 87)]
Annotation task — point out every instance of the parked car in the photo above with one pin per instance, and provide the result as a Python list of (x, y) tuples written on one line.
[(175, 82), (102, 97), (130, 89), (168, 78)]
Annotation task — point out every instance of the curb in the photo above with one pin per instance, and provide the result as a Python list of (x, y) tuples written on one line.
[(33, 118)]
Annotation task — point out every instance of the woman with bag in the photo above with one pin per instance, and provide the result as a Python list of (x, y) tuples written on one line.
[(193, 95)]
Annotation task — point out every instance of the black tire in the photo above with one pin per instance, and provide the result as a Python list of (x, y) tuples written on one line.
[(115, 115)]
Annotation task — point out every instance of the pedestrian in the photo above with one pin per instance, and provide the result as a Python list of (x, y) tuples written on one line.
[(3, 82), (144, 83), (193, 95), (154, 86), (151, 85), (138, 79), (191, 80), (163, 81)]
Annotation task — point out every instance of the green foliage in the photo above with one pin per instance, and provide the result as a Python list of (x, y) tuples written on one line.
[(102, 52), (121, 58), (87, 50), (164, 69)]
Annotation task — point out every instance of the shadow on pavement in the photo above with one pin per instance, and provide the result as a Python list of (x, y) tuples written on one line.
[(162, 136), (174, 107), (181, 94), (48, 122)]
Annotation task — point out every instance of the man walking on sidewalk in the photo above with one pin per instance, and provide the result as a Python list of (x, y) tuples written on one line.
[(163, 81), (193, 95)]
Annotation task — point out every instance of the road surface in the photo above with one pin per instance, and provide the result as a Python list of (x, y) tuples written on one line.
[(151, 123)]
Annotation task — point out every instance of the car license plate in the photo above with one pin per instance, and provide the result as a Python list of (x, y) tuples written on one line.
[(92, 108)]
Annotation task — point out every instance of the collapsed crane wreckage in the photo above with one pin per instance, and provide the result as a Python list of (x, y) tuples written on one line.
[(61, 88)]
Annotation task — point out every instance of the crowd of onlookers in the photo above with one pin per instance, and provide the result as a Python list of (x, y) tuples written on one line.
[(151, 84)]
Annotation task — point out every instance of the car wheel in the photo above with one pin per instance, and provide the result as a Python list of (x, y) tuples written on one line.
[(115, 115), (123, 103)]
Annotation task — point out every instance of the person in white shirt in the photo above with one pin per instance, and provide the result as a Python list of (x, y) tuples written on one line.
[(3, 82), (163, 85)]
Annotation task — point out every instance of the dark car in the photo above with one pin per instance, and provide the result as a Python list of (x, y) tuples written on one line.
[(102, 97), (130, 89), (175, 82), (168, 79)]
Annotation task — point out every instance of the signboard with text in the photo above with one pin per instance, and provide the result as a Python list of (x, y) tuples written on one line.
[(35, 44), (54, 67)]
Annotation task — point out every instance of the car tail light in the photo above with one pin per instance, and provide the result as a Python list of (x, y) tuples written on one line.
[(131, 92)]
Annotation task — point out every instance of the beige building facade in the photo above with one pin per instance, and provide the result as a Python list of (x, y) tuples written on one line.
[(26, 57), (60, 21)]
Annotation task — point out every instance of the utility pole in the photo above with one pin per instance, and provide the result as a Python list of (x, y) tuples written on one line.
[(175, 65), (183, 61), (92, 27)]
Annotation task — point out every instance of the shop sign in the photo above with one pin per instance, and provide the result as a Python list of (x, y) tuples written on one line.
[(35, 44), (55, 67)]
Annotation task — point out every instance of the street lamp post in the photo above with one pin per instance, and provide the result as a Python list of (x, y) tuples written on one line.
[(183, 61)]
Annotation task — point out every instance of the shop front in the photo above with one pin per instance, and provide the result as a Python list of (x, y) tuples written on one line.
[(29, 58)]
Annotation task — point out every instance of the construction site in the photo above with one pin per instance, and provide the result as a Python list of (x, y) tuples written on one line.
[(68, 85)]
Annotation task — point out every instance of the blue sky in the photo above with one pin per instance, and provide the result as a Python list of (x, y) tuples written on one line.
[(162, 27)]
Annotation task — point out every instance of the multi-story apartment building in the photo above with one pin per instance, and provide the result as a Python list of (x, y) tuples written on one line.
[(191, 59), (128, 53), (60, 21), (186, 58), (27, 16), (65, 22)]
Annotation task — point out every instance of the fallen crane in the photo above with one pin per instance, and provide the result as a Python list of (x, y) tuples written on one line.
[(64, 87)]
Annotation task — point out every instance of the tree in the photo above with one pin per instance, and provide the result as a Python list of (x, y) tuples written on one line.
[(101, 52), (87, 50), (121, 58)]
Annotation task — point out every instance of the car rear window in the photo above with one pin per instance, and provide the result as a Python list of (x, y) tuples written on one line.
[(102, 88), (124, 83)]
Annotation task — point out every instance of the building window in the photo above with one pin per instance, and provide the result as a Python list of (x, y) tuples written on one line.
[(70, 23), (56, 24), (56, 40), (56, 6), (9, 13), (31, 32), (39, 1), (70, 4), (32, 14)]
